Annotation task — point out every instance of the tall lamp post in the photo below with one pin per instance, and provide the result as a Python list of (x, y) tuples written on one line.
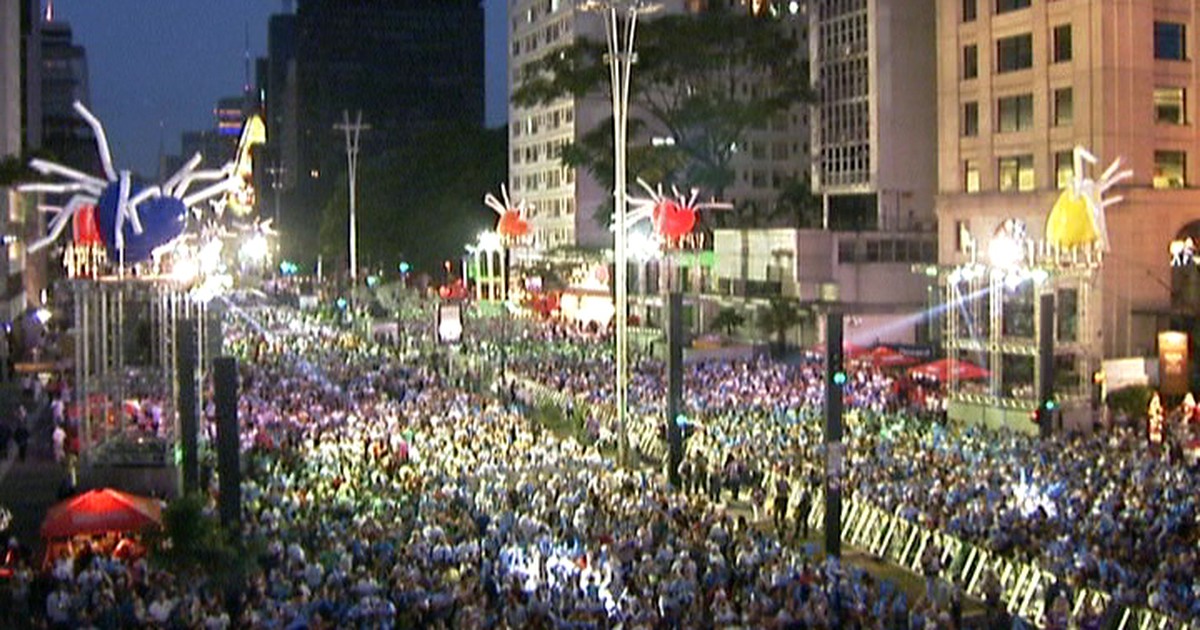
[(352, 130), (619, 37)]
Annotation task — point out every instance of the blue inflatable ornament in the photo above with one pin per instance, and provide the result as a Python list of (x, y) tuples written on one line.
[(134, 219)]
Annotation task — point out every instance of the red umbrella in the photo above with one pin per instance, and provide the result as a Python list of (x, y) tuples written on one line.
[(98, 511), (943, 368)]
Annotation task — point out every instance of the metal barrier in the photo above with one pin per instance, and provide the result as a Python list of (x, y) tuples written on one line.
[(903, 542)]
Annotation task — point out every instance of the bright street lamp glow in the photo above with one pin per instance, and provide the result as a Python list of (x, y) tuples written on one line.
[(642, 246), (255, 248), (1004, 252), (490, 242), (209, 257)]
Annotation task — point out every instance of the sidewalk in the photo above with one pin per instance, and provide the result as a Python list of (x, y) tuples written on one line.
[(28, 488)]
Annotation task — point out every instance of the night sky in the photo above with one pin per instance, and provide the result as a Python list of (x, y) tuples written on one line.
[(158, 67)]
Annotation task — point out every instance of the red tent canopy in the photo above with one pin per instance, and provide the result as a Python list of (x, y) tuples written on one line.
[(97, 511), (883, 356), (943, 368)]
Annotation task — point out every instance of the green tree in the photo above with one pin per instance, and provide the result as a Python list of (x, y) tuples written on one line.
[(798, 203), (192, 545), (422, 201), (14, 169), (690, 81), (781, 315), (727, 320)]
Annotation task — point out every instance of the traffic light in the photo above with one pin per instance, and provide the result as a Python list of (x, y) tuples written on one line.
[(1045, 416), (405, 267), (839, 378)]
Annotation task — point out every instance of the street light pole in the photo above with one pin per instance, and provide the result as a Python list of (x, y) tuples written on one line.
[(620, 62), (352, 132)]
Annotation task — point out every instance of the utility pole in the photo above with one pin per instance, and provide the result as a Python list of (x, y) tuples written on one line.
[(835, 379), (620, 24), (352, 130)]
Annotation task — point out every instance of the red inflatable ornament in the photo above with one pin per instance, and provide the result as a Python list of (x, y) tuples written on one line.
[(672, 217), (671, 220), (512, 225), (85, 227)]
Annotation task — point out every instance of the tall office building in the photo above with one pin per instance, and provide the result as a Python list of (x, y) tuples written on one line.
[(566, 200), (11, 106), (20, 132), (410, 66), (563, 198), (1020, 84), (874, 128), (65, 80), (282, 153)]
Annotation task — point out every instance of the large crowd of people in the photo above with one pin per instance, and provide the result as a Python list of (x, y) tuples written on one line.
[(1104, 510), (386, 494)]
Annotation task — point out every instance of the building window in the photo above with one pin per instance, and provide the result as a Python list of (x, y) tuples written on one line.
[(1014, 53), (1168, 106), (969, 10), (1004, 6), (971, 176), (1169, 41), (1064, 168), (1064, 107), (1062, 43), (970, 61), (1169, 168), (1015, 173), (970, 124), (1015, 113)]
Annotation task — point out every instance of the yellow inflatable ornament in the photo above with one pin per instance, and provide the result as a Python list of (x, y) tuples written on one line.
[(1070, 223), (1077, 218)]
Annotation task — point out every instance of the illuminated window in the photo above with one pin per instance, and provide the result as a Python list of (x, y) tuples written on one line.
[(1170, 41), (970, 61), (971, 176), (1064, 168), (1015, 173), (1015, 113), (1062, 43), (1014, 53), (1169, 169), (1168, 106), (970, 124), (1064, 107)]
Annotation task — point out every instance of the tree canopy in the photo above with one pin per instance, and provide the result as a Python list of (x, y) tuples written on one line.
[(704, 79), (421, 203)]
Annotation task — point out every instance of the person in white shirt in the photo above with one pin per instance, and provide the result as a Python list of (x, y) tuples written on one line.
[(60, 443), (160, 609)]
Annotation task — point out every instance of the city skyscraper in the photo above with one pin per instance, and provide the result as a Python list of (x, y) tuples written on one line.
[(874, 128), (64, 80), (409, 66)]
